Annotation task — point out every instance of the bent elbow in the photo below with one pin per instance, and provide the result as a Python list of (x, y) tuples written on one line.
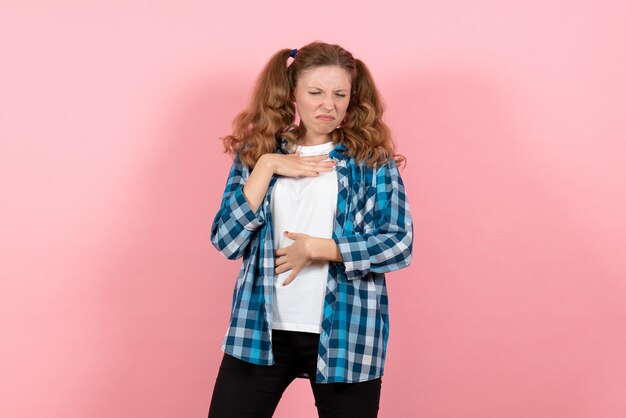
[(229, 250), (407, 259)]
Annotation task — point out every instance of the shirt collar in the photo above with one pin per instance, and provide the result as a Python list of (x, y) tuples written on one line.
[(337, 152)]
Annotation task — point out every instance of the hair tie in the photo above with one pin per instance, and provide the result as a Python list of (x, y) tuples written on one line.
[(293, 53)]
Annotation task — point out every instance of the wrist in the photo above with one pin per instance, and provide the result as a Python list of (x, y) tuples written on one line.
[(312, 248), (323, 249), (267, 164)]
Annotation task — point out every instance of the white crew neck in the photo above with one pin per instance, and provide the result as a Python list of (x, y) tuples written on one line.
[(315, 148)]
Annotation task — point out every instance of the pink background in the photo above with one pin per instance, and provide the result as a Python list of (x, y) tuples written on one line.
[(511, 114)]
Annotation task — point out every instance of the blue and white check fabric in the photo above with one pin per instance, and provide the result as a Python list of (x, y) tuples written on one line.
[(373, 229)]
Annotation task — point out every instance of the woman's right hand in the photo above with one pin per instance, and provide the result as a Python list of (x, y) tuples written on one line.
[(294, 165)]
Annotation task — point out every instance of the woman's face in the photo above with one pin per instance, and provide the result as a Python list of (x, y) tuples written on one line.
[(322, 95)]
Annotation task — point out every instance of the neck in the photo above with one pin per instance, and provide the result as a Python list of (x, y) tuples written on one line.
[(309, 140)]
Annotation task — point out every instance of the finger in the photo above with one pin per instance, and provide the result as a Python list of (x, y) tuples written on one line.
[(289, 279), (282, 268), (314, 161), (308, 163), (302, 173), (316, 165), (314, 157), (324, 163), (291, 234), (310, 173), (293, 276), (317, 170), (326, 166)]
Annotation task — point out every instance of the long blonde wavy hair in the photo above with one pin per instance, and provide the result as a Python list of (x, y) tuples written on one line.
[(271, 111)]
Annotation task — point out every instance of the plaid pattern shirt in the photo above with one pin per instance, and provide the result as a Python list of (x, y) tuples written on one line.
[(374, 232)]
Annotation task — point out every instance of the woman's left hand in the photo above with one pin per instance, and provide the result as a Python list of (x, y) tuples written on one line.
[(295, 257)]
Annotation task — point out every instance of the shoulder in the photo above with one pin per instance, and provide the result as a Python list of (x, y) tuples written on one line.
[(385, 168)]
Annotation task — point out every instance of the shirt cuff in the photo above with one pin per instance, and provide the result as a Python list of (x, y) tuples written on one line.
[(356, 258), (243, 213)]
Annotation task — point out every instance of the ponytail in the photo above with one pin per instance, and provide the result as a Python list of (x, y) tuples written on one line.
[(364, 124), (269, 111)]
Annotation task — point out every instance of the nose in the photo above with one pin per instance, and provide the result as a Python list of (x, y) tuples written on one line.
[(328, 102)]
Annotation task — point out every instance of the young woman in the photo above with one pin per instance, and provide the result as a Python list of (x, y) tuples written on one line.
[(318, 212)]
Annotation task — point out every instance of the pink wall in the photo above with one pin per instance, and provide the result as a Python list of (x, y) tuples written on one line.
[(113, 302)]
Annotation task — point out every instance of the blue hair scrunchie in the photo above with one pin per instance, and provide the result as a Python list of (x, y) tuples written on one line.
[(293, 53)]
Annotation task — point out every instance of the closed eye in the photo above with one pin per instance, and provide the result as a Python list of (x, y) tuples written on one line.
[(317, 92)]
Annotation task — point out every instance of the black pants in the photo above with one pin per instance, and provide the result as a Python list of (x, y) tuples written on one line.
[(246, 390)]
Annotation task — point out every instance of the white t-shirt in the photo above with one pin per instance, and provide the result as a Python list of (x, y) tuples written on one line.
[(305, 205)]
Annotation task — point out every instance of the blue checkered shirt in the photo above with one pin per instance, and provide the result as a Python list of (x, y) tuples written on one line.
[(374, 232)]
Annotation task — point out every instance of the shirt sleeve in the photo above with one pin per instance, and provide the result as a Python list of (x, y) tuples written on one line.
[(389, 246), (235, 222)]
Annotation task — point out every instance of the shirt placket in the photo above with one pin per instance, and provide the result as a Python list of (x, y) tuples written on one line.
[(341, 217)]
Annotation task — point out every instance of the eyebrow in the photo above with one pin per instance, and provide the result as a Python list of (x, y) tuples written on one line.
[(319, 88)]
